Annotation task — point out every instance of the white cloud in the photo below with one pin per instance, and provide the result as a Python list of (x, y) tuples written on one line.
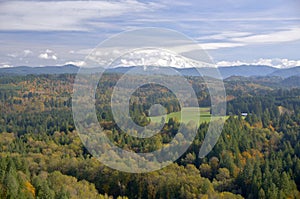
[(238, 39), (231, 63), (289, 63), (241, 19), (48, 54), (49, 51), (82, 51), (76, 63), (64, 15), (13, 55), (292, 34), (218, 45), (27, 52), (224, 35), (5, 65), (276, 62), (22, 54)]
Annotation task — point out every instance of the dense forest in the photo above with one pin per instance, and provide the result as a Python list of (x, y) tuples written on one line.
[(42, 156)]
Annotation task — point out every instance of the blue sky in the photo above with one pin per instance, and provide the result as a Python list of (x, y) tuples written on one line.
[(38, 33)]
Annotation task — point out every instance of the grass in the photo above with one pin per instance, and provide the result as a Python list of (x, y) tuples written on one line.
[(191, 114)]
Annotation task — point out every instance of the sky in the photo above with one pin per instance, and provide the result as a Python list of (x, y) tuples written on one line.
[(233, 32)]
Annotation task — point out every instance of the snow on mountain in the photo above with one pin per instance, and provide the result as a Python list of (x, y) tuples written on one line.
[(159, 58)]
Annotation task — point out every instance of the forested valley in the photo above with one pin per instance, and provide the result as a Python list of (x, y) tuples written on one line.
[(42, 156)]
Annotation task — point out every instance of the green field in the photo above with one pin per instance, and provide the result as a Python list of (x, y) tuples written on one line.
[(192, 113)]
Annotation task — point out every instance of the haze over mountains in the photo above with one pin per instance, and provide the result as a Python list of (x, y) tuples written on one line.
[(242, 71)]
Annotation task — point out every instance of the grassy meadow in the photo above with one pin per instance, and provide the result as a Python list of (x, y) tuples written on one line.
[(192, 114)]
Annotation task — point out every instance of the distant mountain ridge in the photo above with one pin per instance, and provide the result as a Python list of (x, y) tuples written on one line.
[(246, 70), (26, 70), (287, 72), (226, 72)]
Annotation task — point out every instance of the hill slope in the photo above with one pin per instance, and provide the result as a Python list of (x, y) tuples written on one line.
[(226, 72)]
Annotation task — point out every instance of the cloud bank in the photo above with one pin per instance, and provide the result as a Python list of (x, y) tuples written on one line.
[(276, 63)]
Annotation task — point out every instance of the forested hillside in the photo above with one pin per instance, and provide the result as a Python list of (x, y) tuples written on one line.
[(257, 155)]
